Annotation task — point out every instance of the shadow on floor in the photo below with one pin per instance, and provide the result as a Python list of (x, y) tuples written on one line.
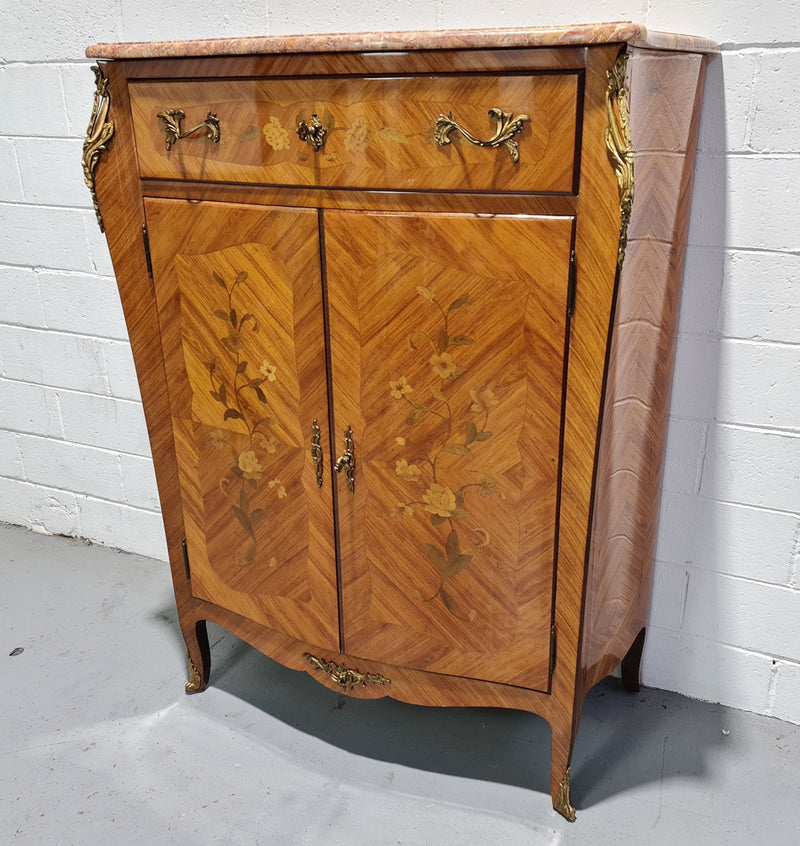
[(626, 740)]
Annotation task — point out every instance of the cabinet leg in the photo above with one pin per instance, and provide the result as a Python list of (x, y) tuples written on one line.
[(560, 755), (198, 656), (631, 663)]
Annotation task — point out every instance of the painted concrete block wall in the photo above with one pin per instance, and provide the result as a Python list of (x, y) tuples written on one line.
[(726, 606), (74, 456)]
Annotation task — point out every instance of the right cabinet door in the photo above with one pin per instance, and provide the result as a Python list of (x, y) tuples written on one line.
[(447, 346)]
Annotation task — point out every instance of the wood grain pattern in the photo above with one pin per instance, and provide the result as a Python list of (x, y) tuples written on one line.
[(557, 205), (380, 132), (455, 608), (117, 187), (417, 687), (358, 64), (666, 91), (595, 249), (245, 364), (447, 356)]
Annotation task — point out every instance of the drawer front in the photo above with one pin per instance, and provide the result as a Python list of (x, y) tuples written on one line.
[(381, 133)]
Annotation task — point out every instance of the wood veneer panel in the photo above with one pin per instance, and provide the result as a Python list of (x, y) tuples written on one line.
[(359, 64), (118, 191), (380, 131), (335, 198), (240, 309), (447, 356), (452, 656), (595, 249), (406, 684), (666, 92)]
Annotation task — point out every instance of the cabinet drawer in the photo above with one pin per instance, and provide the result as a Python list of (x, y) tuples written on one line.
[(381, 132)]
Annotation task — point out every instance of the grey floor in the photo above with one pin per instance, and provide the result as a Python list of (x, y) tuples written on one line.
[(101, 746)]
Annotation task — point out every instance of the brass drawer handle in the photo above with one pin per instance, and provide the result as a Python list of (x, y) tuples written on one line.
[(507, 127), (314, 134), (347, 461), (316, 451), (172, 126)]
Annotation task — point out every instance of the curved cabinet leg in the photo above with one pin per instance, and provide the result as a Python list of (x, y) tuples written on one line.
[(198, 656), (631, 663)]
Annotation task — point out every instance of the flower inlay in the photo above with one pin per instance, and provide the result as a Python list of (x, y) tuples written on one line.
[(444, 501), (241, 482)]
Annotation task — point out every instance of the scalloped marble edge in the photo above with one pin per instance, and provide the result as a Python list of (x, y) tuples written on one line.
[(464, 39)]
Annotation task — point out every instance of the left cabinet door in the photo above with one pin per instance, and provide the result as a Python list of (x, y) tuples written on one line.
[(239, 297)]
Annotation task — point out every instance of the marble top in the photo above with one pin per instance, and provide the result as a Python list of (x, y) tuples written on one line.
[(467, 39)]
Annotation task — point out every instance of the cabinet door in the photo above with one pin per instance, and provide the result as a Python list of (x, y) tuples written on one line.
[(240, 308), (447, 355)]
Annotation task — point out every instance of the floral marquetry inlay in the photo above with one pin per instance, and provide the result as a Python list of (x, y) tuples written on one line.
[(356, 136), (332, 289), (275, 135), (432, 493), (245, 477)]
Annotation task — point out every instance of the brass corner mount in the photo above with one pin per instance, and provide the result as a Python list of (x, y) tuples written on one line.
[(99, 132), (619, 145)]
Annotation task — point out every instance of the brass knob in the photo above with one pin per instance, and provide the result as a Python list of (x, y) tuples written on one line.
[(314, 134)]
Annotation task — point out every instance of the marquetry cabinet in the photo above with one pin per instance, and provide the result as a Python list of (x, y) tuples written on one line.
[(404, 338)]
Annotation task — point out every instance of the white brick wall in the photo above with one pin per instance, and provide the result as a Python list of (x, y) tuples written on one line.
[(74, 456), (726, 605)]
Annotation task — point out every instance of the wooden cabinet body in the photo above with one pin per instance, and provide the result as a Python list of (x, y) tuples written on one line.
[(407, 398)]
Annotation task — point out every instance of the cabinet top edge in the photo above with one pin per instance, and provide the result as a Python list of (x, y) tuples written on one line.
[(454, 39)]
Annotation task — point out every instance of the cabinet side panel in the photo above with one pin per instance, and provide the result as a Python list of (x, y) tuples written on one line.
[(665, 94), (596, 237), (118, 190)]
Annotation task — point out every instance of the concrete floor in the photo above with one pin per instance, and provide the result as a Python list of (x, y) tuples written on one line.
[(100, 745)]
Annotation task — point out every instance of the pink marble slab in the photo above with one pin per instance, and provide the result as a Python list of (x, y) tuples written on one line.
[(595, 33)]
